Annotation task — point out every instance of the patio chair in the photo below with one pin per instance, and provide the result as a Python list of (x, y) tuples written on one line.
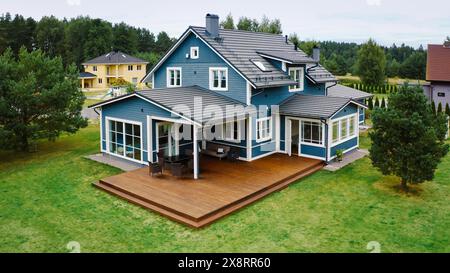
[(178, 169), (233, 154), (188, 152), (154, 168), (161, 161)]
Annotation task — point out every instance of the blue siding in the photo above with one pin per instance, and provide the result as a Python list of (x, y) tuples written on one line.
[(353, 142), (196, 71), (348, 110), (313, 150), (275, 95)]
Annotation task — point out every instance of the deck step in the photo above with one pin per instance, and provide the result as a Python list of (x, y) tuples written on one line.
[(158, 209), (143, 199), (214, 215)]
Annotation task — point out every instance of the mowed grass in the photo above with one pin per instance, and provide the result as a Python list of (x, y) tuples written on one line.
[(47, 200)]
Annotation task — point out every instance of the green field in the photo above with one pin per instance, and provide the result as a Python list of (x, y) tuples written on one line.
[(47, 200)]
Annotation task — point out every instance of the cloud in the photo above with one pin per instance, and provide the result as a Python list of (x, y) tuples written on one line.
[(73, 2), (373, 2)]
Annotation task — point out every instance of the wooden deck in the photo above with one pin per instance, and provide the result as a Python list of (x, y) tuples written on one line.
[(223, 187)]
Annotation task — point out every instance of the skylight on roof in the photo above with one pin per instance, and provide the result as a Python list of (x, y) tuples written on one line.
[(260, 65)]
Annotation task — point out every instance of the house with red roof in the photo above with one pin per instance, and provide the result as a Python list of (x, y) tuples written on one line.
[(438, 74)]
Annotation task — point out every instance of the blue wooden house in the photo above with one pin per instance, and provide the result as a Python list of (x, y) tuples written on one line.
[(255, 93)]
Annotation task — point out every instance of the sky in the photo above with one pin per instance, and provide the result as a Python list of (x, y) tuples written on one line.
[(411, 22)]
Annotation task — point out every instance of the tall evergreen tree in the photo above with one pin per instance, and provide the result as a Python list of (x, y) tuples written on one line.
[(371, 63), (377, 103), (125, 38), (99, 39), (383, 103), (408, 141), (163, 42), (447, 109), (439, 108), (50, 36)]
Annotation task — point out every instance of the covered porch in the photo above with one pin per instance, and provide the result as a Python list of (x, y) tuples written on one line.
[(225, 186)]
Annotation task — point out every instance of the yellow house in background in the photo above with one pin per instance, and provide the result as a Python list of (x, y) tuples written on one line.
[(100, 72)]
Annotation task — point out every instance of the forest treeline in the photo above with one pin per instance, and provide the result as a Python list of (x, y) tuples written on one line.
[(79, 39), (82, 38)]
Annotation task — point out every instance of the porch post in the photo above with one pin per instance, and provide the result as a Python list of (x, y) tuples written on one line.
[(195, 150)]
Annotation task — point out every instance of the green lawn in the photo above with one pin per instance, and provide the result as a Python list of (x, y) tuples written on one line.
[(47, 200)]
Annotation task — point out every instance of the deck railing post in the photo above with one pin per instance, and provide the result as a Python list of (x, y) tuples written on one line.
[(195, 149)]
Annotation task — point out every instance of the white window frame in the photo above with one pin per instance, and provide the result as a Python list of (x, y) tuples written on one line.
[(107, 119), (259, 127), (224, 131), (211, 78), (322, 128), (195, 49), (175, 80), (94, 68), (300, 80), (349, 136), (130, 66), (139, 67)]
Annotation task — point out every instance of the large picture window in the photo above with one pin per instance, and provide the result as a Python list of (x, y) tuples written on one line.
[(125, 139), (263, 129), (343, 129), (173, 76), (296, 74), (218, 78), (312, 132)]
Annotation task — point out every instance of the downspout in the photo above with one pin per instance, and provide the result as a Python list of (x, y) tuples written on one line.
[(326, 89), (326, 139)]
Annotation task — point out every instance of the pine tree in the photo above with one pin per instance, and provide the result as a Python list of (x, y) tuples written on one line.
[(370, 103), (439, 109), (383, 103), (377, 103), (414, 154), (447, 109), (433, 107)]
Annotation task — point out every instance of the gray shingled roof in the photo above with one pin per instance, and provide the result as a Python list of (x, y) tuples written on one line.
[(319, 74), (86, 75), (172, 98), (310, 106), (114, 57), (241, 48), (347, 92), (291, 56)]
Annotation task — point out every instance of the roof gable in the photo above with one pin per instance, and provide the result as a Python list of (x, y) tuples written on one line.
[(242, 49), (115, 57), (170, 99), (438, 63), (315, 106)]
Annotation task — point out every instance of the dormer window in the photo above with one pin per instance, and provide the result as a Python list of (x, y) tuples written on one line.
[(261, 66), (194, 52), (296, 74)]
